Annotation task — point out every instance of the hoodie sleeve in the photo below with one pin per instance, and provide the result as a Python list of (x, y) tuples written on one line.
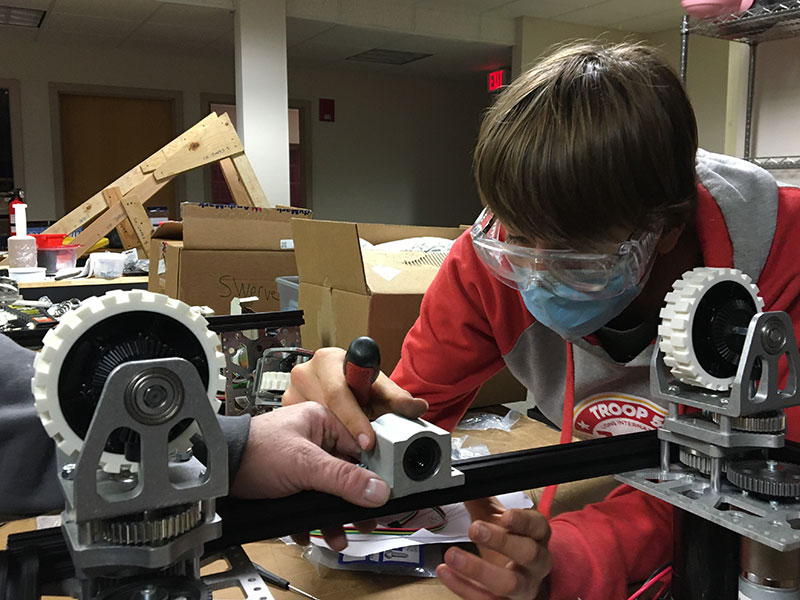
[(453, 347), (28, 484), (599, 550)]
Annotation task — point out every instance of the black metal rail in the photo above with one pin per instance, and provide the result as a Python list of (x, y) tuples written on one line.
[(247, 521)]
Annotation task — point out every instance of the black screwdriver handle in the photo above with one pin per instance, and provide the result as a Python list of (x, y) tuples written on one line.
[(362, 364)]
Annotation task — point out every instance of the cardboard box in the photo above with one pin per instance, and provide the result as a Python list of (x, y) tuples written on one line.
[(220, 253), (345, 293)]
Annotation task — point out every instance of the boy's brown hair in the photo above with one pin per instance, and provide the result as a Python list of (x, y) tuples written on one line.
[(591, 140)]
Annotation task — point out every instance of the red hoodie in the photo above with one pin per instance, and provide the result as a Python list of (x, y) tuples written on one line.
[(471, 325)]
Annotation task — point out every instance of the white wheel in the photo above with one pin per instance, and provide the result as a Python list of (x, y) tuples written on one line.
[(68, 360), (703, 324)]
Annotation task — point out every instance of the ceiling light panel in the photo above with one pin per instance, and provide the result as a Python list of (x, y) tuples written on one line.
[(20, 17)]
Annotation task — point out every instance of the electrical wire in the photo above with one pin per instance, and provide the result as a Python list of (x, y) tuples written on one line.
[(667, 571), (397, 530)]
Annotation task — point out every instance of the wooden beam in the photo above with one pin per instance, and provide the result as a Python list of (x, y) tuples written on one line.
[(99, 228), (96, 204), (125, 230), (250, 181), (212, 142), (235, 185), (139, 221), (159, 157)]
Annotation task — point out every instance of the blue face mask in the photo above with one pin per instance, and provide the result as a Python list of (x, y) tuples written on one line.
[(572, 318)]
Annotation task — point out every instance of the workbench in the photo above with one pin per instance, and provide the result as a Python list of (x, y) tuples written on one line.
[(332, 584), (58, 291)]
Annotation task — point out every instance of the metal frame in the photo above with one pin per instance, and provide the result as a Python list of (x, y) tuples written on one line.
[(753, 26)]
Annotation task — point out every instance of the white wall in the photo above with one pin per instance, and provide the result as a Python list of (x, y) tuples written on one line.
[(36, 65), (776, 108), (706, 84), (399, 150)]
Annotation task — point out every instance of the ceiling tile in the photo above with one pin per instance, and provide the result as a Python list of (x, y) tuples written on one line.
[(358, 36), (87, 25), (319, 10), (448, 24), (379, 13), (131, 10), (172, 35), (326, 52), (300, 30), (77, 40), (669, 19), (612, 12), (542, 9), (33, 4), (462, 6), (193, 16)]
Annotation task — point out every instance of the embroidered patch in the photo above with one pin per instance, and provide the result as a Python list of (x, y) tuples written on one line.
[(612, 413)]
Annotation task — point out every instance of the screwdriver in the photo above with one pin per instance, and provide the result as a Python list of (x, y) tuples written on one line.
[(279, 582), (362, 364)]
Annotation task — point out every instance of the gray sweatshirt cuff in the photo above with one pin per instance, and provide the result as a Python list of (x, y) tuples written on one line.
[(236, 431)]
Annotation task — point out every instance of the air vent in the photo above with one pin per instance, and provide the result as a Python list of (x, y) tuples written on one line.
[(21, 17), (388, 57)]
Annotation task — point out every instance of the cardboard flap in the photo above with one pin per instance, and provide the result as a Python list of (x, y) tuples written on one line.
[(228, 227), (328, 254), (400, 272), (169, 230), (377, 233)]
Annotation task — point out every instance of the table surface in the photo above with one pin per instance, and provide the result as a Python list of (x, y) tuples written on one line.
[(330, 584), (83, 282)]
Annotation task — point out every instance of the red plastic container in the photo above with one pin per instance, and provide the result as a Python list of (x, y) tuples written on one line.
[(49, 240)]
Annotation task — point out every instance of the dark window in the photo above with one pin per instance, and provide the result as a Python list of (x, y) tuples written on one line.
[(6, 164)]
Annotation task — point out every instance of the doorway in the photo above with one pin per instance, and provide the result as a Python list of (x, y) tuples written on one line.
[(104, 136)]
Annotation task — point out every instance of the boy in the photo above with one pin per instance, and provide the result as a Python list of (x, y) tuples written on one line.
[(597, 200)]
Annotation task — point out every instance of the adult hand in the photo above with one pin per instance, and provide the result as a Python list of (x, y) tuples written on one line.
[(513, 560), (321, 380), (305, 447)]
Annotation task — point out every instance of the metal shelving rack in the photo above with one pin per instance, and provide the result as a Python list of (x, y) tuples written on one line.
[(759, 24)]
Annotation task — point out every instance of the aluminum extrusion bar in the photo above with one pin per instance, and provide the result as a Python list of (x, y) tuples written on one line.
[(252, 520), (245, 521)]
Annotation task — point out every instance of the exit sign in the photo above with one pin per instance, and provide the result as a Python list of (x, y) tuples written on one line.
[(497, 79)]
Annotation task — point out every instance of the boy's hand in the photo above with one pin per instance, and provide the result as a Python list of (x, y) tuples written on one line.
[(321, 380), (514, 560)]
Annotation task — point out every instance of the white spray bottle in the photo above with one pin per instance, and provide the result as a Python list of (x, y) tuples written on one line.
[(21, 247)]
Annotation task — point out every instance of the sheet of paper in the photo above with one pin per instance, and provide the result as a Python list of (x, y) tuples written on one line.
[(458, 521)]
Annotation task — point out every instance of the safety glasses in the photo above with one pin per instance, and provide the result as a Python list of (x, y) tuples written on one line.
[(566, 273)]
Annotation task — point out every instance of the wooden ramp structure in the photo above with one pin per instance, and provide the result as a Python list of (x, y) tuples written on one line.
[(120, 204)]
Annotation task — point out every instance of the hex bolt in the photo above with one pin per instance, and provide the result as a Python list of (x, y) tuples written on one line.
[(68, 471)]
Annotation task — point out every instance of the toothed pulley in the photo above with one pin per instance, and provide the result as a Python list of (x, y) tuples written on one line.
[(704, 325), (768, 478), (90, 342)]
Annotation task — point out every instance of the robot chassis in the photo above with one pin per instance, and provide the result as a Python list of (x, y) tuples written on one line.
[(141, 516)]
